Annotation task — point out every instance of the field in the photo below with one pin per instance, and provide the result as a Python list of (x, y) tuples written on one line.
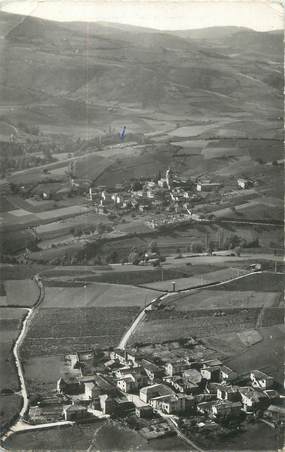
[(219, 299), (163, 325), (261, 282), (202, 278), (42, 373), (20, 293), (60, 330), (150, 276), (97, 295), (10, 406), (10, 321), (20, 272)]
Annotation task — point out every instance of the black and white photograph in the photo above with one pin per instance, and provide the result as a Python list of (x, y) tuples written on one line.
[(142, 226)]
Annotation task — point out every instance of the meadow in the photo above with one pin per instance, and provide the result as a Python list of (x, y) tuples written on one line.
[(23, 292)]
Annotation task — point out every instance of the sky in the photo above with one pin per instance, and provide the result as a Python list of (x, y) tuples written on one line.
[(261, 15)]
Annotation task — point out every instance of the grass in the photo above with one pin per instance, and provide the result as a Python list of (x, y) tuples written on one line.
[(148, 275), (261, 282), (21, 292), (202, 278), (77, 437), (97, 295), (10, 322), (10, 406), (17, 272), (266, 355), (42, 373)]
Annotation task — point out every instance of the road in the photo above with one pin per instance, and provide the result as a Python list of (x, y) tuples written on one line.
[(123, 342), (171, 421), (17, 426), (138, 319)]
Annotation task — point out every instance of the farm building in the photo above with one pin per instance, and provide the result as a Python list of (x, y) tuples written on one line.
[(144, 411), (208, 186), (74, 412), (244, 183), (261, 380), (156, 390), (70, 386)]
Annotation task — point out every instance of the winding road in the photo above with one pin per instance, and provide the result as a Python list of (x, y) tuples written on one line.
[(18, 425)]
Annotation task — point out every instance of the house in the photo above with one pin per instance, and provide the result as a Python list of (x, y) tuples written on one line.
[(225, 408), (154, 372), (123, 405), (88, 390), (253, 400), (208, 186), (227, 374), (175, 367), (74, 412), (192, 375), (182, 385), (156, 390), (119, 355), (244, 183), (228, 393), (138, 373), (261, 380), (177, 404), (127, 383), (70, 386), (211, 373), (271, 394), (134, 358), (107, 404), (144, 411), (205, 407)]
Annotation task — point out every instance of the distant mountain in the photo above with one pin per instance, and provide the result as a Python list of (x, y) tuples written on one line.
[(59, 75)]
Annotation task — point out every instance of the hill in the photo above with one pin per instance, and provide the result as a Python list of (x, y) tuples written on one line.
[(62, 74)]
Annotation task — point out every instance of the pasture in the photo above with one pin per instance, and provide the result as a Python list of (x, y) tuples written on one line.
[(10, 405), (23, 292), (199, 279), (97, 295), (261, 282), (221, 299)]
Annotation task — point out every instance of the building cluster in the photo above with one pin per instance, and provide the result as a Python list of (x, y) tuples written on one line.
[(124, 383), (170, 192)]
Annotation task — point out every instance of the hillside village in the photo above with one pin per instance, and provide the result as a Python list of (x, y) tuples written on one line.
[(160, 398)]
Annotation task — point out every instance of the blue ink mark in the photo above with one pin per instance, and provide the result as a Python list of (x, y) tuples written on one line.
[(123, 133)]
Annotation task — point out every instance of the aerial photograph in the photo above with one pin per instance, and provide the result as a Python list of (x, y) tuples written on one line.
[(142, 226)]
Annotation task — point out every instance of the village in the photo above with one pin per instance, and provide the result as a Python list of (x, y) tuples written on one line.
[(171, 198), (158, 398)]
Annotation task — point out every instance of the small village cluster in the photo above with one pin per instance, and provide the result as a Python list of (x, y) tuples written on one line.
[(164, 394), (171, 193)]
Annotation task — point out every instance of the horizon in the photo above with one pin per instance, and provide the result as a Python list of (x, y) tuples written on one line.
[(173, 15)]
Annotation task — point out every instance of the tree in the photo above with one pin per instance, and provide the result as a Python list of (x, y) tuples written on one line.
[(153, 247), (197, 247), (134, 257)]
